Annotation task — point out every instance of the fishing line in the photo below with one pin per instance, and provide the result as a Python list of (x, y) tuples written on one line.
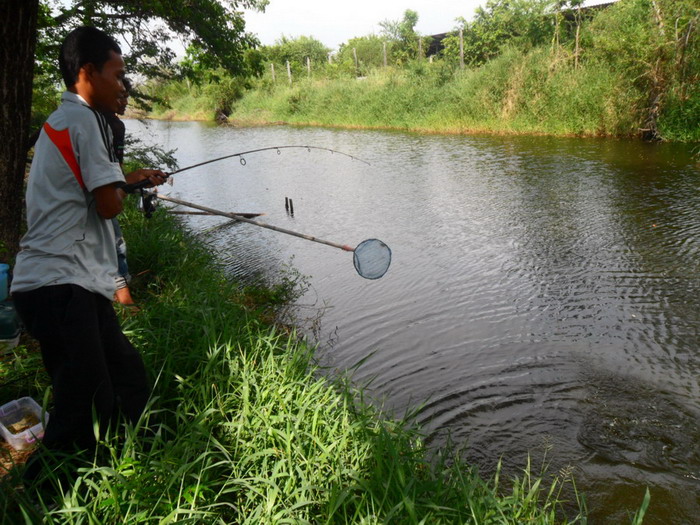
[(371, 257), (277, 148), (131, 188)]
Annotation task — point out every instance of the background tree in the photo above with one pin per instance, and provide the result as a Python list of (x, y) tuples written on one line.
[(657, 45), (144, 27), (17, 43), (563, 10), (296, 50), (403, 34), (500, 23), (451, 43), (198, 68), (369, 50)]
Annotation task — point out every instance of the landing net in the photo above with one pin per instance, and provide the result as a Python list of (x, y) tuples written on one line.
[(372, 258)]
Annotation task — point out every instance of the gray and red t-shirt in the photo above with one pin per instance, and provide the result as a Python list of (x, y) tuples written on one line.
[(67, 242)]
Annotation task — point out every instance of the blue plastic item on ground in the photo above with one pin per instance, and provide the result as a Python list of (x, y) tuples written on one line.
[(4, 280), (9, 327)]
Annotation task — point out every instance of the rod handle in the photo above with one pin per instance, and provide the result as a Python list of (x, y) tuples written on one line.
[(133, 188)]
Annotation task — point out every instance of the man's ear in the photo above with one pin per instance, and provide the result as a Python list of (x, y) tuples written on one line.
[(88, 69)]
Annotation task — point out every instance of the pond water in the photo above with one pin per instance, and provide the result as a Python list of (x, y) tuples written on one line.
[(543, 297)]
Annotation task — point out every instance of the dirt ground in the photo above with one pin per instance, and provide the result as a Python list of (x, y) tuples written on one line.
[(9, 457)]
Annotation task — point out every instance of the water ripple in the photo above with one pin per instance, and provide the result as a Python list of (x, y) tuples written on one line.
[(543, 298)]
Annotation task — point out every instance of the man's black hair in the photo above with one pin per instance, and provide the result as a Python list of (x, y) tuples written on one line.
[(84, 45)]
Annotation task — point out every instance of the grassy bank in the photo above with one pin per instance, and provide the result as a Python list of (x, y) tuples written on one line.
[(516, 93), (629, 70), (245, 430)]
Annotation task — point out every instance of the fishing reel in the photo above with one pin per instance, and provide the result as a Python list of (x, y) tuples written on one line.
[(147, 203)]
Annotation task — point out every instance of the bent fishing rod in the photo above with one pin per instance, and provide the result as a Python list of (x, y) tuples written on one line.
[(131, 188), (371, 257)]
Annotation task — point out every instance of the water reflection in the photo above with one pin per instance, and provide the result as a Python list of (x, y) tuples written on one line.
[(544, 293)]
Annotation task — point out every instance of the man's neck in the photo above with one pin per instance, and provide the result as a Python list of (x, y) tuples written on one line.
[(83, 93)]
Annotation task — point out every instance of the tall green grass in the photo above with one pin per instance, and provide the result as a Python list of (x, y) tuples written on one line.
[(514, 93), (183, 100), (243, 429), (533, 91), (632, 73)]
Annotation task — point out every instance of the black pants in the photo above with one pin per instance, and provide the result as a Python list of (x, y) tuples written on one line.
[(90, 361)]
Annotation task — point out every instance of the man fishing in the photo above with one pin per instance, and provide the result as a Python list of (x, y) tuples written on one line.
[(123, 294), (64, 278)]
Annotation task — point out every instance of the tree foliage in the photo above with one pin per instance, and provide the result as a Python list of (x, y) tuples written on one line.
[(145, 28), (402, 33), (199, 66), (657, 44), (369, 50), (296, 50), (149, 28), (526, 23)]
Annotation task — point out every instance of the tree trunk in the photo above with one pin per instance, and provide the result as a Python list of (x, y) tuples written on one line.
[(17, 43)]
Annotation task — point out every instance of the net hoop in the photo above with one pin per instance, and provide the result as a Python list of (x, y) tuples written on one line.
[(372, 259)]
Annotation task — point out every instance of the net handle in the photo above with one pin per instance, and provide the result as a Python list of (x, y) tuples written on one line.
[(343, 247)]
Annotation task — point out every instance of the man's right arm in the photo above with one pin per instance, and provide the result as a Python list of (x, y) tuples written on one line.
[(108, 198)]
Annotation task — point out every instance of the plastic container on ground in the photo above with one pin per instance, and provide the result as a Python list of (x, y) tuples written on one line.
[(4, 281), (21, 411), (9, 327), (6, 345)]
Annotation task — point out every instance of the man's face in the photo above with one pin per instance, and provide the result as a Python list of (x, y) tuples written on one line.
[(123, 101), (107, 84)]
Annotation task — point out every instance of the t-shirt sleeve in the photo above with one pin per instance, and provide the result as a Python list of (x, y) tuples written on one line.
[(98, 164)]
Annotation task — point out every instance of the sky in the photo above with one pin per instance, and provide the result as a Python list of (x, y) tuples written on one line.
[(334, 22)]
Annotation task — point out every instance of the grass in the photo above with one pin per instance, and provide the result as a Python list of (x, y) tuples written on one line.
[(516, 93), (242, 428), (522, 91), (513, 94)]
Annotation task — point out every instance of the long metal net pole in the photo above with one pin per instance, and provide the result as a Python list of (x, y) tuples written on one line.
[(344, 247)]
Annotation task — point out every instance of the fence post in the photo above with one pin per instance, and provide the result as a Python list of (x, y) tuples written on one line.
[(384, 54), (272, 67), (308, 66), (461, 49), (420, 48), (289, 73), (357, 68)]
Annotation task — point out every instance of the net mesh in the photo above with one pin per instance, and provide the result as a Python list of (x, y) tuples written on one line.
[(372, 258)]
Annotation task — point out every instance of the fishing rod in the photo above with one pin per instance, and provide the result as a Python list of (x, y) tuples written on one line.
[(371, 257), (131, 188)]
